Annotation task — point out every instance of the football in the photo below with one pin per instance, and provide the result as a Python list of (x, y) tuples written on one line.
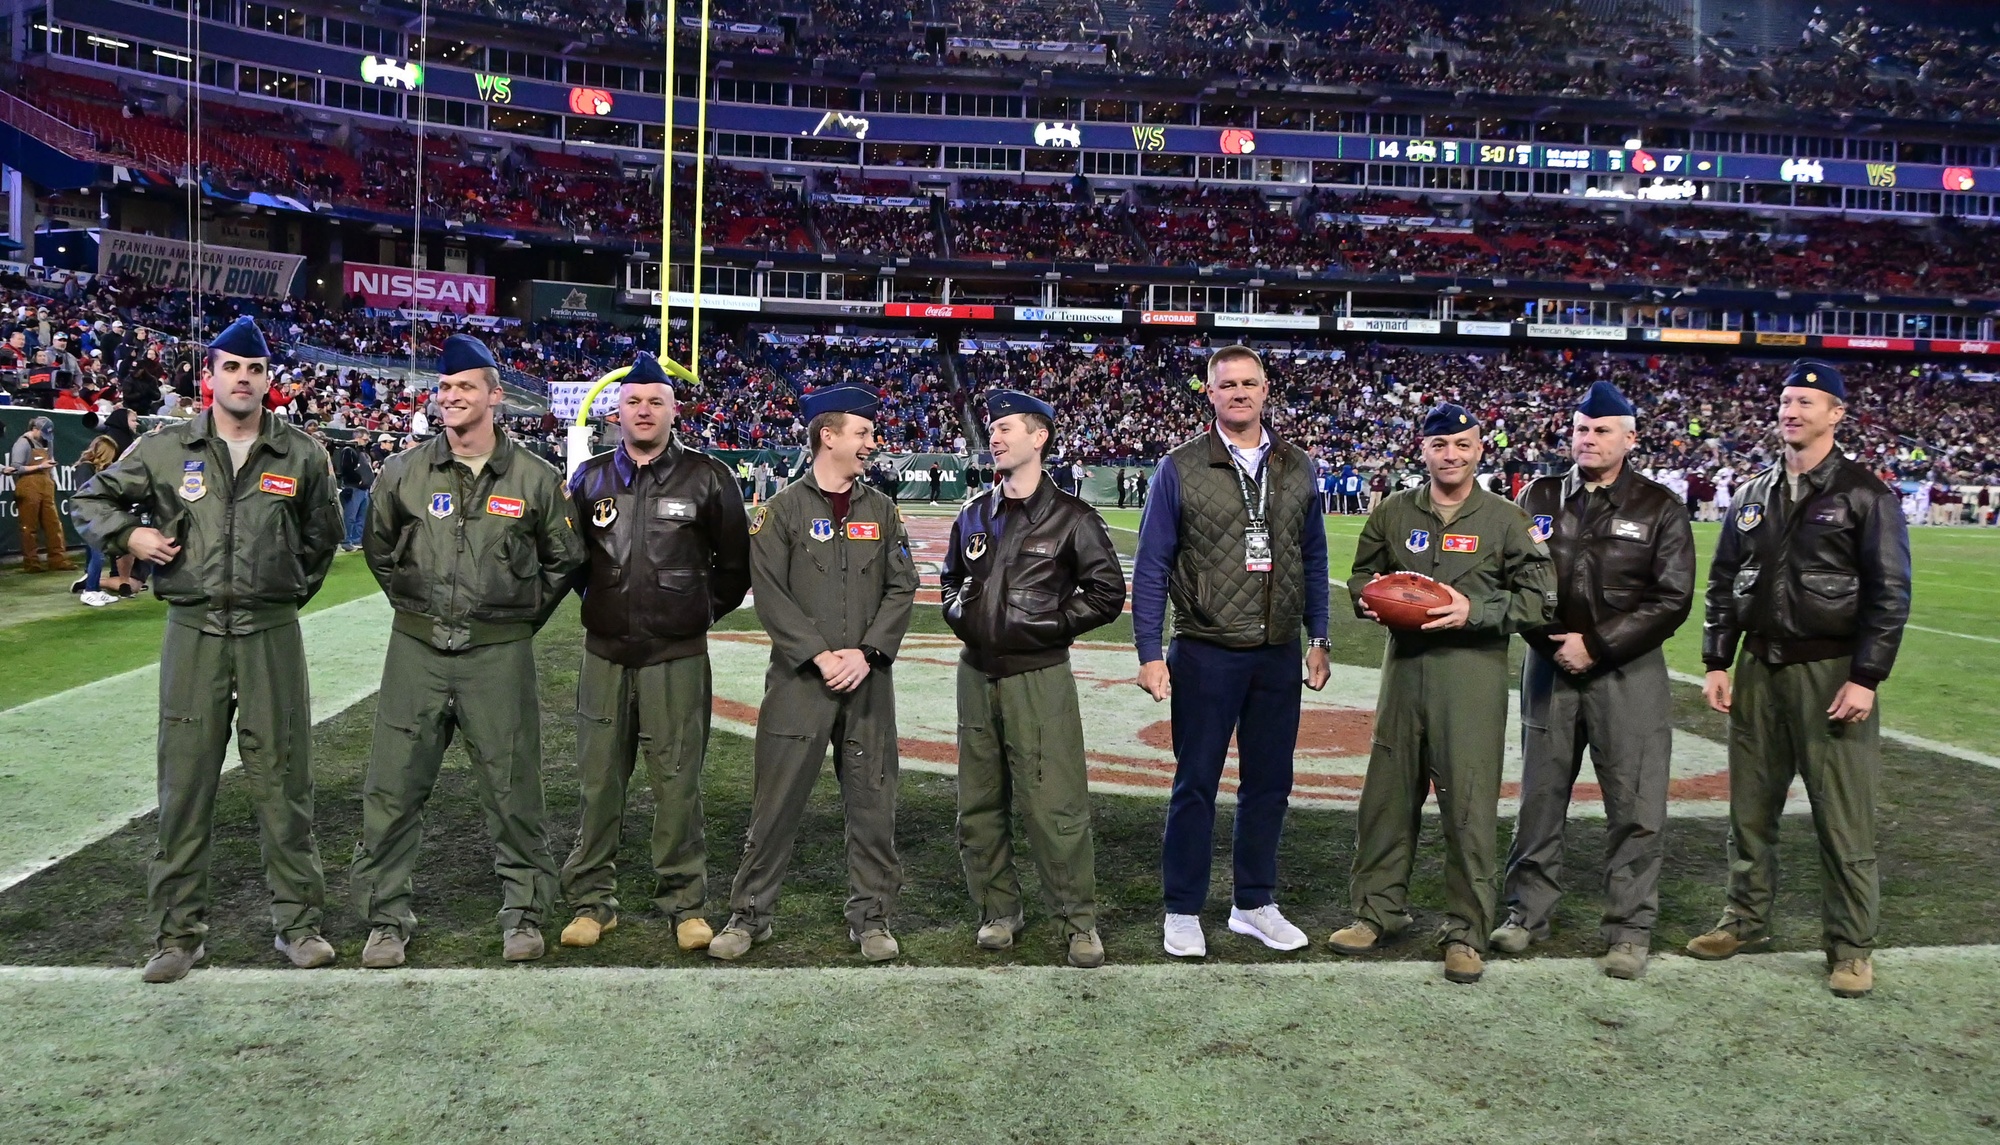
[(1404, 599)]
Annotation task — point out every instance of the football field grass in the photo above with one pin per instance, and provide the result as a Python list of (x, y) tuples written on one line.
[(634, 1040)]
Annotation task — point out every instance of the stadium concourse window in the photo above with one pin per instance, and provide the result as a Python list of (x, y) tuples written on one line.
[(516, 122), (1115, 163), (845, 152), (982, 158), (1051, 161), (608, 132), (744, 146), (276, 84), (365, 98), (899, 154), (752, 91), (450, 112)]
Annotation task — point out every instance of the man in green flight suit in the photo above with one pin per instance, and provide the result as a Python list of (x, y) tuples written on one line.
[(833, 582), (245, 523), (471, 538), (1441, 716)]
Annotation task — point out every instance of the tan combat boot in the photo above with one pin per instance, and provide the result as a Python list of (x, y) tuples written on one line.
[(1463, 964), (585, 930), (172, 963), (1357, 937), (1851, 978), (309, 953), (999, 933), (735, 941), (1719, 944), (693, 934), (522, 944), (385, 948), (1086, 950), (877, 944), (1625, 960)]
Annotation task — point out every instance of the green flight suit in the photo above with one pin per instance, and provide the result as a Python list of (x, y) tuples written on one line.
[(1441, 715), (473, 565), (254, 547), (822, 584)]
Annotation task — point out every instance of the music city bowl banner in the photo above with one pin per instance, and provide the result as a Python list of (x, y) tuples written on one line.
[(169, 264), (393, 287)]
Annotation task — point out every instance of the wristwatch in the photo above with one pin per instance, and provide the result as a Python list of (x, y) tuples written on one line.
[(1318, 642)]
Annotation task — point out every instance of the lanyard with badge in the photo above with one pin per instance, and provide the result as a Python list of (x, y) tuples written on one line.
[(1257, 535)]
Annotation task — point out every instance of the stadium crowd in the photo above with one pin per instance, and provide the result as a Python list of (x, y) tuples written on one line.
[(112, 344)]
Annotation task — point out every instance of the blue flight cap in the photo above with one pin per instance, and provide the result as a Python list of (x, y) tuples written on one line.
[(1446, 420), (1817, 376), (646, 371), (243, 339), (1002, 403), (463, 352), (858, 400), (1604, 400)]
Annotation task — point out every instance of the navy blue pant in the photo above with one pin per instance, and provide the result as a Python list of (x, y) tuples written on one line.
[(1252, 694)]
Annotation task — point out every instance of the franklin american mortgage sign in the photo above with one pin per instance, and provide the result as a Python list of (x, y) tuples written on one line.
[(397, 287), (169, 264)]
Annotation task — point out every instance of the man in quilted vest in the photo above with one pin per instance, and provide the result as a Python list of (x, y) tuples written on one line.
[(1232, 537)]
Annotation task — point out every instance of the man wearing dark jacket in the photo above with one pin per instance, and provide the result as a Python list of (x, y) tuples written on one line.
[(1812, 577), (1030, 568), (1624, 569), (669, 548)]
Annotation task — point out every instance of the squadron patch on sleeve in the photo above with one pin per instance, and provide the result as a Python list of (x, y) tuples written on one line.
[(757, 519)]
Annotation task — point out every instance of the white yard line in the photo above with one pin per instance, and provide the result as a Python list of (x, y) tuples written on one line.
[(80, 764)]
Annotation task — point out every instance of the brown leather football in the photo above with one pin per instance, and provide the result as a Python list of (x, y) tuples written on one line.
[(1404, 599)]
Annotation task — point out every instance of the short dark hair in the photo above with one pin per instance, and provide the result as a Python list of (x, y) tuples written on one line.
[(835, 421), (1037, 421)]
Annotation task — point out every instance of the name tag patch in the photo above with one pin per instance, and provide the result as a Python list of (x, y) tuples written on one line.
[(278, 483), (864, 531), (1629, 530), (1830, 515), (1461, 542), (505, 506), (674, 508)]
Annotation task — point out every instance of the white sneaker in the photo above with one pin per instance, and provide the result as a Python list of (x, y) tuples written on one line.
[(97, 599), (1184, 937), (1268, 926)]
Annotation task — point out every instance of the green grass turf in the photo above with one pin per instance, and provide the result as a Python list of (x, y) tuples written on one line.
[(77, 644), (1748, 1051), (1942, 688), (1939, 824)]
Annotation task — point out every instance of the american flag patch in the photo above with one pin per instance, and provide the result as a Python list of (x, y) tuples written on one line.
[(1461, 542), (504, 506)]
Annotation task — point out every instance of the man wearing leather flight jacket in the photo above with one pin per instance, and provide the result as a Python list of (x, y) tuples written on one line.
[(1812, 578), (669, 554), (1030, 568), (1596, 676)]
